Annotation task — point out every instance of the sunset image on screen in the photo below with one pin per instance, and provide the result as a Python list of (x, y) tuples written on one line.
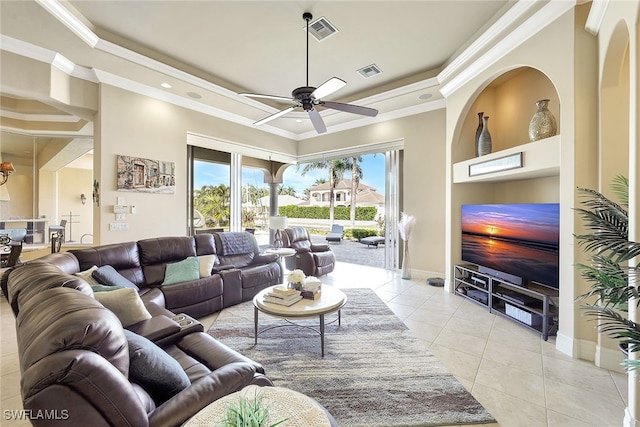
[(519, 239), (538, 223)]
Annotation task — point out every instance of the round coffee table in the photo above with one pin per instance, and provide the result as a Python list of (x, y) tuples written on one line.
[(330, 301)]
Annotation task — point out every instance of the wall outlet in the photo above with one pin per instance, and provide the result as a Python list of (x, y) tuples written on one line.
[(120, 217), (118, 226)]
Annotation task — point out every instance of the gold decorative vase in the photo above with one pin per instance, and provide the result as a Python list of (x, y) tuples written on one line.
[(543, 124)]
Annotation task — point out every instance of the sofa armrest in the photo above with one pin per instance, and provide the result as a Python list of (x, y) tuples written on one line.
[(320, 247), (221, 267), (155, 328), (155, 309), (188, 402), (265, 258)]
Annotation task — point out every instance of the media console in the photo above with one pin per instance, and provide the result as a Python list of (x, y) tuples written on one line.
[(532, 305)]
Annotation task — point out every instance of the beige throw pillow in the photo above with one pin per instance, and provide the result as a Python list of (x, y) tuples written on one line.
[(206, 264), (126, 304)]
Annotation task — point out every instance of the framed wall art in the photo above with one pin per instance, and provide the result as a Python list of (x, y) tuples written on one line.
[(145, 175)]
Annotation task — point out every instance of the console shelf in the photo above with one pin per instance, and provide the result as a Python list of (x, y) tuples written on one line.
[(533, 306)]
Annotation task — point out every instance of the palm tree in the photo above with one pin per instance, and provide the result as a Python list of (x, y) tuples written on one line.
[(609, 270), (336, 173), (214, 203), (356, 176)]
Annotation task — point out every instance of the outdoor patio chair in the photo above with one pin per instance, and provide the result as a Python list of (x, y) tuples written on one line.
[(336, 233)]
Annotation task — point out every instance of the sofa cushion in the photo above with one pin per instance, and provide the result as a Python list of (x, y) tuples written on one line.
[(156, 253), (126, 304), (153, 369), (182, 271), (107, 275), (206, 263)]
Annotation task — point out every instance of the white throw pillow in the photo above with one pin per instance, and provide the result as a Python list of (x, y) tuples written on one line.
[(206, 264), (126, 304)]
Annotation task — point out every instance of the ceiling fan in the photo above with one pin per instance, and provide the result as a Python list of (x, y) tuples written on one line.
[(308, 97)]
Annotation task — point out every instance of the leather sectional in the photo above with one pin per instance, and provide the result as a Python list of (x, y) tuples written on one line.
[(77, 361)]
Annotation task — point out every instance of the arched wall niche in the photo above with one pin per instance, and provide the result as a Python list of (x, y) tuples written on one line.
[(614, 106), (509, 102)]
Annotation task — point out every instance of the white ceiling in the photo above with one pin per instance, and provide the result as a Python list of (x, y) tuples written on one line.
[(220, 48)]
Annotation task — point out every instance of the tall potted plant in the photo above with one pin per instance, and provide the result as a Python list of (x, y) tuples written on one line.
[(609, 270)]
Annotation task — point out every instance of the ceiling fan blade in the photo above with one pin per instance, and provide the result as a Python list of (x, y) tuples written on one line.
[(274, 116), (317, 121), (350, 108), (274, 97), (328, 87)]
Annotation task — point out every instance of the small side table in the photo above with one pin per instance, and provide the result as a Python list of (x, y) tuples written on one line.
[(282, 253), (299, 410)]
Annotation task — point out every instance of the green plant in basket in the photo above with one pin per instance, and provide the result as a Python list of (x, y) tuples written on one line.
[(248, 412)]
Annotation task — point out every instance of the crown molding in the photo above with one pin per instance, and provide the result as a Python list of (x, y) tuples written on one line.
[(62, 14), (533, 25), (518, 10), (53, 118), (596, 15), (162, 95)]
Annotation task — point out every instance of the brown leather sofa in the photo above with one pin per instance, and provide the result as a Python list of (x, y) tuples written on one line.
[(77, 361), (313, 259), (239, 271)]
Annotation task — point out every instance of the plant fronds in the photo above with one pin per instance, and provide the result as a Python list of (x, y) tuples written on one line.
[(616, 326), (607, 243), (620, 187), (608, 227), (248, 413)]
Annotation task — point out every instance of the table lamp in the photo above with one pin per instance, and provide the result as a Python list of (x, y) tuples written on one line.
[(277, 223)]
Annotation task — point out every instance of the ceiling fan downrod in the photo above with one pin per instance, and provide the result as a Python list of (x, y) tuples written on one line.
[(307, 17)]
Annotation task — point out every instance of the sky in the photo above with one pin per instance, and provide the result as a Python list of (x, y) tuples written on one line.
[(537, 222), (214, 174)]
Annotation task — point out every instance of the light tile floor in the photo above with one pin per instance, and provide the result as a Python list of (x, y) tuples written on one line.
[(519, 378)]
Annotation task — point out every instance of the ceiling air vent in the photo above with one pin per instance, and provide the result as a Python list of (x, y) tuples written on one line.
[(370, 71), (321, 29)]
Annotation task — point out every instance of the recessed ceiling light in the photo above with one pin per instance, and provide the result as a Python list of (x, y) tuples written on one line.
[(425, 96), (298, 121), (194, 95), (165, 85)]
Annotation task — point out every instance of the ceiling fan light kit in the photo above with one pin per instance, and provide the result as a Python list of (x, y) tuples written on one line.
[(308, 97)]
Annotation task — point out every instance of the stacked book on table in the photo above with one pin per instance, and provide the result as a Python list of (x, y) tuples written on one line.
[(283, 296)]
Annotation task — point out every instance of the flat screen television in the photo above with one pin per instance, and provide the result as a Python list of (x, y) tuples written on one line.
[(521, 240)]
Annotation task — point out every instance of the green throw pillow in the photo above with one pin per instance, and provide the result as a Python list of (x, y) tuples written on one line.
[(105, 288), (182, 271), (152, 368)]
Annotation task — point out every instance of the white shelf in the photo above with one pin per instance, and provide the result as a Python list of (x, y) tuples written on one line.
[(539, 159)]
